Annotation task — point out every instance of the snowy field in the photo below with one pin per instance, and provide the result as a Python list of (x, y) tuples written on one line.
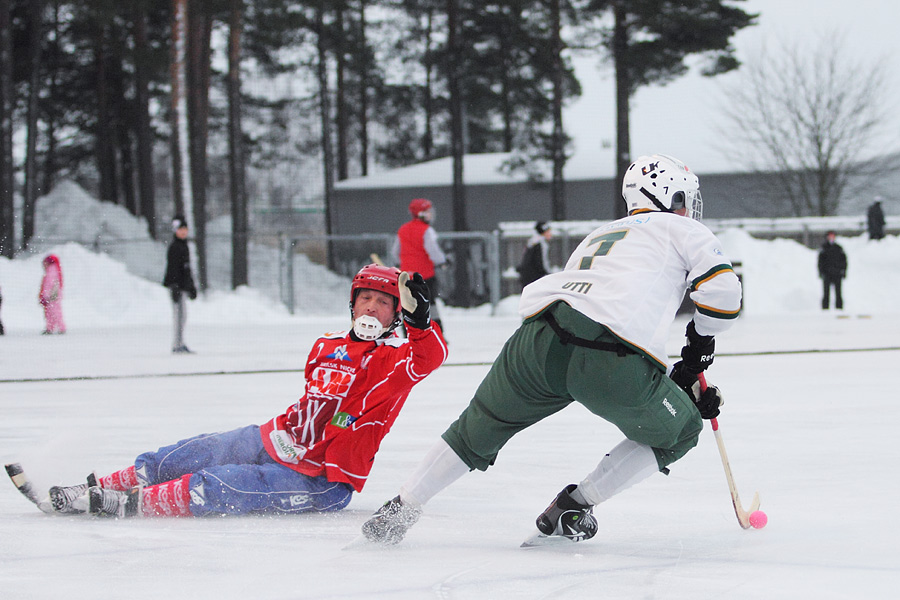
[(810, 422)]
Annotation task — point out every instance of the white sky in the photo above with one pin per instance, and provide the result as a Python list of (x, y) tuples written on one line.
[(678, 119)]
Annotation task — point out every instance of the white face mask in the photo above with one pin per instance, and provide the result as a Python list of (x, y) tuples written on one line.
[(367, 328)]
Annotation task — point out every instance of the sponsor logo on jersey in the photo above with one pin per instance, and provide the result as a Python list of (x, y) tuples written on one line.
[(284, 448), (343, 420), (580, 287), (340, 353), (669, 406), (326, 382)]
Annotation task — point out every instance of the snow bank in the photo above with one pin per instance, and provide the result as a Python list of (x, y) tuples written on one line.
[(781, 276)]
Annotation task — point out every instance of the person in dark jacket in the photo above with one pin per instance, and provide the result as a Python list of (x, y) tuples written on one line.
[(536, 258), (832, 269), (876, 220), (180, 281)]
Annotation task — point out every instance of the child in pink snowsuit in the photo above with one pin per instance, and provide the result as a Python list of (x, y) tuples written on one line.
[(51, 295)]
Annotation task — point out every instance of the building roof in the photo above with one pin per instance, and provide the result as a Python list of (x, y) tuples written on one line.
[(478, 169)]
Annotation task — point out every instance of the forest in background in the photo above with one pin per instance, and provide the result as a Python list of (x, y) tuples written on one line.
[(202, 104)]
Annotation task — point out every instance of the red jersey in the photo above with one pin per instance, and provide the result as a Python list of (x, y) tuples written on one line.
[(354, 392), (413, 256)]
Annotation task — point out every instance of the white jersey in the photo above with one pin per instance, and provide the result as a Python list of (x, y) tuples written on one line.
[(631, 275)]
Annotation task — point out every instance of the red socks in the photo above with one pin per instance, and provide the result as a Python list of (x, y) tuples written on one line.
[(121, 481), (169, 499)]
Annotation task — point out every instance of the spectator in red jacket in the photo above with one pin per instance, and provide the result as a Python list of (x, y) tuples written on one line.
[(416, 248), (314, 455)]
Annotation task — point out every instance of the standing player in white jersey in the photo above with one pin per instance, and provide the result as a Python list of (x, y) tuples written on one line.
[(595, 334)]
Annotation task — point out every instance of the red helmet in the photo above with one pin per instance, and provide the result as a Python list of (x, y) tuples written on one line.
[(418, 206), (381, 278)]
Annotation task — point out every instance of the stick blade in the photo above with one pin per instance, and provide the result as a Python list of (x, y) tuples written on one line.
[(754, 506), (20, 480)]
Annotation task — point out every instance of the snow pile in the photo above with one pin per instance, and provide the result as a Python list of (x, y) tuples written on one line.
[(781, 276), (69, 214), (100, 292), (119, 283)]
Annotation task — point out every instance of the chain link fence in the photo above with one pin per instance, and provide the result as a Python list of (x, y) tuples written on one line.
[(471, 277)]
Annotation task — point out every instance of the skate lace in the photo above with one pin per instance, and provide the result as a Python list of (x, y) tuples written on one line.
[(389, 524), (63, 497), (110, 501)]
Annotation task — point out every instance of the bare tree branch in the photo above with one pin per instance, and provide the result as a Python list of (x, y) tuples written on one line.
[(812, 117)]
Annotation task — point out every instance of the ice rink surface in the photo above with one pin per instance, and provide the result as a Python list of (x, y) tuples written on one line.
[(810, 422)]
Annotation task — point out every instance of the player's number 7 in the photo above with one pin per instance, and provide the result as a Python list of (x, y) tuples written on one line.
[(606, 241)]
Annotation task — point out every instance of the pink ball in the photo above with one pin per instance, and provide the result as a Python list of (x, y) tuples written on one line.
[(758, 519)]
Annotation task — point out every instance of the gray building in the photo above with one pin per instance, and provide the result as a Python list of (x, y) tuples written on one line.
[(368, 210), (378, 203)]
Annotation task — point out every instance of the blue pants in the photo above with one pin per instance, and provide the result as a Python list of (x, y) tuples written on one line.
[(231, 473)]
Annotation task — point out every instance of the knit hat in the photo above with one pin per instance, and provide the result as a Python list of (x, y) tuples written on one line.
[(178, 222), (541, 226)]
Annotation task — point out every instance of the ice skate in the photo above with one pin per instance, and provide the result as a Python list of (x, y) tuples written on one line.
[(567, 518), (389, 523), (72, 499), (112, 503)]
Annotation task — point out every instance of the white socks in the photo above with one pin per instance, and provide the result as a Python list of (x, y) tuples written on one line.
[(440, 467), (625, 465)]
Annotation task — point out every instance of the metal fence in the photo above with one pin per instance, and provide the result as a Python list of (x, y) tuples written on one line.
[(471, 278), (306, 272)]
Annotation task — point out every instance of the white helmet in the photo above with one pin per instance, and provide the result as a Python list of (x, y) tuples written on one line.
[(661, 183)]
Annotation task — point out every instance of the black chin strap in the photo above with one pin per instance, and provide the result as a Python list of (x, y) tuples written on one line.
[(655, 202)]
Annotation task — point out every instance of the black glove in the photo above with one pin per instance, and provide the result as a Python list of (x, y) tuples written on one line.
[(708, 401), (683, 377), (415, 300), (192, 293), (176, 294), (699, 351)]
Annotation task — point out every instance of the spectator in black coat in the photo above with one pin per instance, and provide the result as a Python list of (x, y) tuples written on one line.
[(876, 220), (536, 259), (180, 281), (832, 269)]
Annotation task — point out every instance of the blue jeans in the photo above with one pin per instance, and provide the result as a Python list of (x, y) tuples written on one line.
[(231, 473)]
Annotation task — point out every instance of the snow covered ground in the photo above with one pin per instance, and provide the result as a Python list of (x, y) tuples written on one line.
[(810, 422), (813, 432)]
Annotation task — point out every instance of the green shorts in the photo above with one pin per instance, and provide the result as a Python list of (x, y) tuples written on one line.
[(536, 375)]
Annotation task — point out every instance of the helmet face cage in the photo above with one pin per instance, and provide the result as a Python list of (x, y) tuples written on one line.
[(662, 183), (382, 279)]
